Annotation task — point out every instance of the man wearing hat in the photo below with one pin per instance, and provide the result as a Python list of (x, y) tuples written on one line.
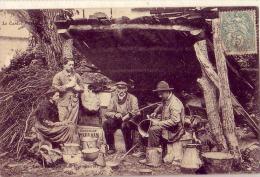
[(169, 127), (70, 85), (122, 107)]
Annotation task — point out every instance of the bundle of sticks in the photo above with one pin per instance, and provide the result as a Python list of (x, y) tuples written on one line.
[(20, 92)]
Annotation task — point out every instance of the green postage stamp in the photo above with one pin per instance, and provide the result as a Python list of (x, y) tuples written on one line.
[(238, 32)]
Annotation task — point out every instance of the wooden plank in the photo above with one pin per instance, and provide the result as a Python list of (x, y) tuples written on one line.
[(64, 33), (209, 71), (119, 27), (225, 93)]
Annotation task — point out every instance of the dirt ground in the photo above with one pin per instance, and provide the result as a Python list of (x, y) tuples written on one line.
[(31, 167), (130, 166)]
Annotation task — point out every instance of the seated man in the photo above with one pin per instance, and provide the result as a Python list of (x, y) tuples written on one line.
[(169, 127), (122, 107), (47, 125)]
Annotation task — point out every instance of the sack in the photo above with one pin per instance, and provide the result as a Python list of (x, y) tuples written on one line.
[(90, 100)]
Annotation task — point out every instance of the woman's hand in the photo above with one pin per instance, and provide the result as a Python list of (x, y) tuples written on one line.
[(49, 123)]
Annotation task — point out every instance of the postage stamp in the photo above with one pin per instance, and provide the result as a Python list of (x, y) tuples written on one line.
[(238, 32)]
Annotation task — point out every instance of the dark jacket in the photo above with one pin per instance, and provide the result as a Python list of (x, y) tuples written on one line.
[(47, 111)]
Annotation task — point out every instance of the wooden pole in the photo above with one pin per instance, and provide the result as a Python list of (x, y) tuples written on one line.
[(210, 96), (213, 76), (225, 93)]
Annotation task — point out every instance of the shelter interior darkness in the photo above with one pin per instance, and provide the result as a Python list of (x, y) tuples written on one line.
[(146, 68), (147, 56), (144, 56)]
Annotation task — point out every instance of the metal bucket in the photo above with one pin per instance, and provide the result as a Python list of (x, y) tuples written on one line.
[(144, 126), (191, 159), (154, 156), (71, 149)]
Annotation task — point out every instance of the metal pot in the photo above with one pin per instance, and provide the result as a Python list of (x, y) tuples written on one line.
[(218, 162), (113, 164), (90, 154)]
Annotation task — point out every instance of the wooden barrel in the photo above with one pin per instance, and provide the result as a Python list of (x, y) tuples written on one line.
[(218, 162)]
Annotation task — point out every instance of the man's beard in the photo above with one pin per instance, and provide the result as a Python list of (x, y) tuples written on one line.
[(121, 95)]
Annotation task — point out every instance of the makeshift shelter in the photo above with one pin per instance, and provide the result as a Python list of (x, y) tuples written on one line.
[(153, 48)]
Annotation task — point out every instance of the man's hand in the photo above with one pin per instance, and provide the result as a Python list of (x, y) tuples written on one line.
[(153, 115), (70, 84), (118, 116), (78, 88), (155, 122), (126, 117)]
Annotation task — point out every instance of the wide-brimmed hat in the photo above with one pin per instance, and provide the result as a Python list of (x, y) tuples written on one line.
[(163, 86), (121, 84)]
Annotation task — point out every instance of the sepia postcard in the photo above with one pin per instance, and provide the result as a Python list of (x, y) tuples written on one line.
[(122, 88)]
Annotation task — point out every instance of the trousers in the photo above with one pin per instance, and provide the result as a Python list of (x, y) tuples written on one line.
[(111, 125)]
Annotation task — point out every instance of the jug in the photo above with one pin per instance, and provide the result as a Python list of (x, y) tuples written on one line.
[(191, 159), (100, 161), (154, 156)]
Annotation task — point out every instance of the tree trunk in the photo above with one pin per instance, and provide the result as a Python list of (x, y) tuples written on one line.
[(210, 96), (225, 93), (40, 23)]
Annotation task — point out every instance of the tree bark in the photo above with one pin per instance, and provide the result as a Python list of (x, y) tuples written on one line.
[(213, 76), (225, 93), (40, 23), (210, 96)]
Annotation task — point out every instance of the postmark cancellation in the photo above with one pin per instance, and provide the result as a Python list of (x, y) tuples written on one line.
[(238, 32)]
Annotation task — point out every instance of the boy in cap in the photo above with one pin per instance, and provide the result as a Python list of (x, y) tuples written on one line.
[(70, 85)]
